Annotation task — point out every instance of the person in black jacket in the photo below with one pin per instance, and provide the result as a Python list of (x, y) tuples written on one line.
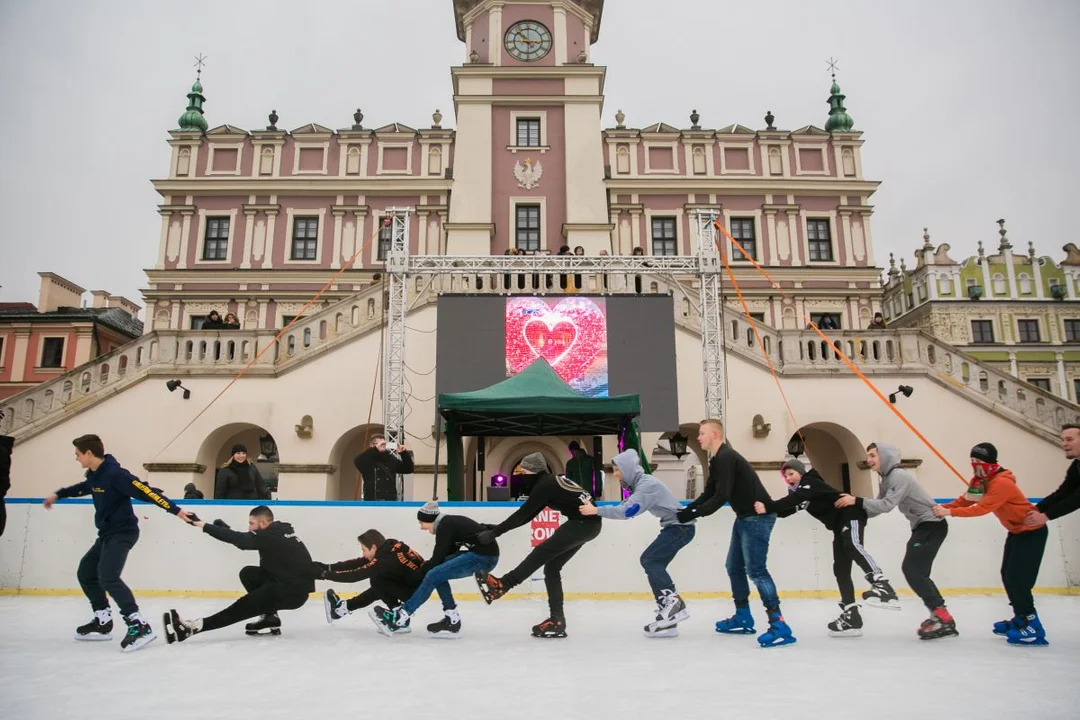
[(282, 581), (192, 493), (391, 565), (848, 525), (557, 493), (6, 444), (239, 479), (732, 479), (1066, 498), (380, 467), (112, 488), (457, 554)]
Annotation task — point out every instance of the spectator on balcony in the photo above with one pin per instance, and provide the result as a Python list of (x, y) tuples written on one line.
[(231, 322), (579, 252), (239, 479), (507, 285), (563, 250), (213, 321), (828, 323), (879, 322), (637, 252), (192, 493)]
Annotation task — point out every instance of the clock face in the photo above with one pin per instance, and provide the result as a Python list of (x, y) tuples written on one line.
[(528, 41)]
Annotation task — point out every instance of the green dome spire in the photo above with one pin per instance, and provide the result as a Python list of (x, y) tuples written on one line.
[(192, 120), (839, 120)]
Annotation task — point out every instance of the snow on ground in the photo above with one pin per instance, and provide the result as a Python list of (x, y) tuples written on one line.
[(496, 670)]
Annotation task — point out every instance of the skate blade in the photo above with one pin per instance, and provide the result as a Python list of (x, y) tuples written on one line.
[(383, 630), (853, 632), (880, 605), (1028, 643), (328, 609), (663, 633), (944, 636), (166, 624), (736, 631), (550, 636), (264, 631), (140, 643), (444, 635), (92, 637)]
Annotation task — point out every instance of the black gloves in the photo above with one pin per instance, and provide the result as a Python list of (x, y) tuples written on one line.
[(320, 569), (486, 537), (685, 515), (221, 524)]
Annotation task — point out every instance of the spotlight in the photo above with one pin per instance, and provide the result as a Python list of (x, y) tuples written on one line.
[(905, 390), (498, 481), (173, 384)]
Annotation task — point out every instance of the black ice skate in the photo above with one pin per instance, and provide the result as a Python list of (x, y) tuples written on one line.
[(550, 628), (139, 634), (490, 587), (96, 629), (334, 606), (269, 624), (177, 630), (449, 628), (880, 595), (849, 624)]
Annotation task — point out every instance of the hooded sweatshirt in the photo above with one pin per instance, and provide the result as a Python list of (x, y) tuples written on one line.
[(647, 494), (1003, 498), (899, 489), (112, 489), (282, 555)]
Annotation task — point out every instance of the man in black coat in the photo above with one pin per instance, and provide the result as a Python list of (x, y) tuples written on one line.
[(282, 581), (380, 467), (6, 444)]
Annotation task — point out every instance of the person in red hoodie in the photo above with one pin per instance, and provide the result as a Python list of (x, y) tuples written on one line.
[(994, 489)]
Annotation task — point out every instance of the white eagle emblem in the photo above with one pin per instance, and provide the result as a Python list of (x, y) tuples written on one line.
[(528, 175)]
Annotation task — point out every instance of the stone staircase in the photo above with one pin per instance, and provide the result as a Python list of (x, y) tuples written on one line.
[(793, 353)]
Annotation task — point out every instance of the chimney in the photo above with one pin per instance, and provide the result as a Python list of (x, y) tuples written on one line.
[(118, 301), (57, 292), (101, 298)]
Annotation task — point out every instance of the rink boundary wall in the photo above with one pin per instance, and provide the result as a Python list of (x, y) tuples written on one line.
[(40, 550)]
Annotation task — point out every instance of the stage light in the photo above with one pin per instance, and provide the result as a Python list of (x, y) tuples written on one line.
[(173, 384), (906, 390), (498, 481)]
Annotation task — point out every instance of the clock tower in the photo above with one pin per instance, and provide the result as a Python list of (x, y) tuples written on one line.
[(528, 159)]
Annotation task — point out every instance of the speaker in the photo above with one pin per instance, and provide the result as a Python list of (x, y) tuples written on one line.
[(480, 454)]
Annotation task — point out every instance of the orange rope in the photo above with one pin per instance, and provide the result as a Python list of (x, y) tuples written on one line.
[(277, 337), (836, 349)]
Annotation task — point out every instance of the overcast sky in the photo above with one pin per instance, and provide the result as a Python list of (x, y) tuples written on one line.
[(967, 107)]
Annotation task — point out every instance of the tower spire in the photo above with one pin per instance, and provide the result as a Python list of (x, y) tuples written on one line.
[(839, 120), (193, 120)]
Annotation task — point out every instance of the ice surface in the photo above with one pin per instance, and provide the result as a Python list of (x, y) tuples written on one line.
[(497, 670)]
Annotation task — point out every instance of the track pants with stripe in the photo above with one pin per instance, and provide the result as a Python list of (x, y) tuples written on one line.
[(847, 548)]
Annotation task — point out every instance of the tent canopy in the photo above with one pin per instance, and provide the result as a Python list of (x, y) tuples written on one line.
[(536, 402)]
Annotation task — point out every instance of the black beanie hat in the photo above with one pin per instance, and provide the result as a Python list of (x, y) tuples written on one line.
[(239, 447), (985, 452)]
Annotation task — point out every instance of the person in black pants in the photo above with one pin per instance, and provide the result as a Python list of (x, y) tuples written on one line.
[(282, 581), (6, 444), (1066, 498), (557, 493), (112, 488), (393, 568)]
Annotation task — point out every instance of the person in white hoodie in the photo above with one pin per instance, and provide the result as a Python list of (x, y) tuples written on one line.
[(647, 494), (928, 531)]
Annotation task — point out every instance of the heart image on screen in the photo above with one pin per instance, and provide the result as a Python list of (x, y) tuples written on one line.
[(569, 333)]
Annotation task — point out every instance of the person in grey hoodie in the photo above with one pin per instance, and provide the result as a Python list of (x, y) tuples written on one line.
[(899, 490), (647, 494)]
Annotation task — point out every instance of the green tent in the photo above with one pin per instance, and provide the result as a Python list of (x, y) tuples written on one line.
[(534, 402)]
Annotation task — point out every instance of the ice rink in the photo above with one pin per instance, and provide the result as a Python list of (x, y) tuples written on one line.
[(497, 670)]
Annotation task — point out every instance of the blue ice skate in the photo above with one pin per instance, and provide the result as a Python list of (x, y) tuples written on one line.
[(741, 623), (1032, 633), (779, 632)]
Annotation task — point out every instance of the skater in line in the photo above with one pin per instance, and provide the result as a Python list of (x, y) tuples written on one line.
[(282, 581), (807, 489), (647, 494), (392, 567), (112, 488), (545, 491), (994, 489), (732, 479), (6, 444), (457, 554), (928, 531), (1066, 498)]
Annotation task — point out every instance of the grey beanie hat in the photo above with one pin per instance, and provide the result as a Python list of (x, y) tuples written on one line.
[(795, 465), (534, 462), (429, 512)]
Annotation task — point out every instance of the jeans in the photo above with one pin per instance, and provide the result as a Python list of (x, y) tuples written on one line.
[(99, 572), (922, 548), (661, 552), (746, 557), (459, 565), (553, 554), (1020, 568), (264, 596)]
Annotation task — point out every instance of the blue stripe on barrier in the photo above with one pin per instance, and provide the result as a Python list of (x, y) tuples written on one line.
[(344, 503)]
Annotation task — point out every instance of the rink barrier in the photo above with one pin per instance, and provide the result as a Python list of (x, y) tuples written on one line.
[(40, 550)]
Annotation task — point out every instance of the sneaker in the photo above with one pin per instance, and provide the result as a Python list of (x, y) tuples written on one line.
[(1031, 633), (550, 628), (940, 624), (672, 608), (849, 624), (100, 628), (881, 595), (779, 633), (490, 587), (269, 623), (334, 606), (139, 634), (741, 623), (449, 627)]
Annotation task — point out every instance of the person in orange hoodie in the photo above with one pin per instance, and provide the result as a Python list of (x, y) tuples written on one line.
[(994, 489)]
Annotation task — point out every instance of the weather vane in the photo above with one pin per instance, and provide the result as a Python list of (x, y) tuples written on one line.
[(833, 67), (200, 60)]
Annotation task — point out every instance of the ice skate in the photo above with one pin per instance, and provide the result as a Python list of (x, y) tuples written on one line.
[(741, 623), (388, 622), (849, 624), (448, 628), (1030, 633), (269, 624), (1002, 627), (490, 587), (672, 609), (940, 624), (779, 632), (550, 628), (178, 630), (100, 628), (139, 634), (660, 629), (334, 606), (880, 595)]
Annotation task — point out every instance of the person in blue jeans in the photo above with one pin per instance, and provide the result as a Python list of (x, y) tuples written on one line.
[(457, 554), (732, 479), (647, 494)]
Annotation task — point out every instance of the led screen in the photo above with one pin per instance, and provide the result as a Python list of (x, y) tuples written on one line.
[(570, 333)]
